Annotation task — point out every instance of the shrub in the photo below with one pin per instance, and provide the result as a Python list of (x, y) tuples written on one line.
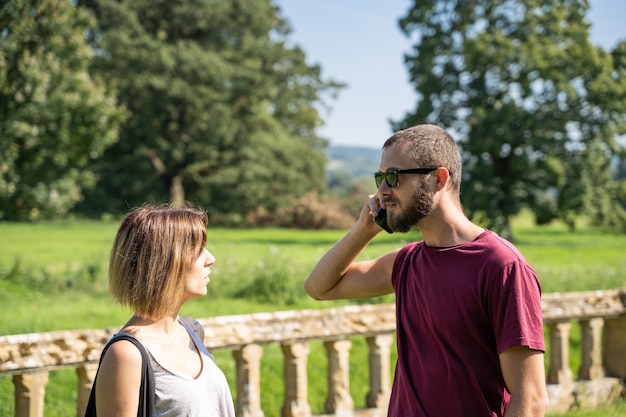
[(87, 277), (274, 281), (313, 211)]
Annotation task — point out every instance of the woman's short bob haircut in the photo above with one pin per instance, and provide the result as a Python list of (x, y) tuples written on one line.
[(152, 254)]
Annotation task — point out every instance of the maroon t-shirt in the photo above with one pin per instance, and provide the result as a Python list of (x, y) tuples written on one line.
[(458, 308)]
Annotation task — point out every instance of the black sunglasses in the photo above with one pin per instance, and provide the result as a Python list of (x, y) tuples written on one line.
[(391, 176)]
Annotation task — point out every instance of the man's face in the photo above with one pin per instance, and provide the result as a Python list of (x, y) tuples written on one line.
[(411, 200)]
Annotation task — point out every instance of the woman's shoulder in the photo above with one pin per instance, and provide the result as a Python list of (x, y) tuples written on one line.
[(121, 364), (123, 351)]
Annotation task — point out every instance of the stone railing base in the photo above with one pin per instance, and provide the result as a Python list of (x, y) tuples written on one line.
[(583, 395), (369, 412), (577, 395)]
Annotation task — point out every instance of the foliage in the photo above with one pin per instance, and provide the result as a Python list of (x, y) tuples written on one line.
[(222, 111), (313, 211), (535, 105), (53, 116), (272, 283), (48, 282)]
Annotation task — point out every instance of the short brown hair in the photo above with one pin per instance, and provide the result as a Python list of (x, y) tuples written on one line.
[(430, 145), (154, 250)]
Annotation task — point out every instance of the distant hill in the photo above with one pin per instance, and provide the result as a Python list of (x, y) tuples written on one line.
[(358, 161)]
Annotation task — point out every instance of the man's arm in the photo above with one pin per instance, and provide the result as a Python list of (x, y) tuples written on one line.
[(337, 276), (524, 375)]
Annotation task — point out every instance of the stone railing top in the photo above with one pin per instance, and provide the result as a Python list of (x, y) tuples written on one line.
[(288, 326), (24, 352), (580, 305), (34, 351)]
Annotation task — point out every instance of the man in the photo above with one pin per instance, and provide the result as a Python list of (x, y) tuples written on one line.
[(468, 305)]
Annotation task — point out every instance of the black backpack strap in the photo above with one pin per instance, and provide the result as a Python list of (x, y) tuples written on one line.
[(146, 391)]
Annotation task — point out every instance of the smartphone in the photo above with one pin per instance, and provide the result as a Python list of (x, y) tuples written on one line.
[(381, 220)]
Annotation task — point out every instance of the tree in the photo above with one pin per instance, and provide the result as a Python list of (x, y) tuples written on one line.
[(53, 116), (222, 111), (527, 95)]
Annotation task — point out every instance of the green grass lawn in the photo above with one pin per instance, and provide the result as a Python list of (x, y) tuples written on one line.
[(53, 277)]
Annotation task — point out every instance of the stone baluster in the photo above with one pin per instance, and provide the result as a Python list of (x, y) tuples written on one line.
[(591, 366), (380, 370), (86, 376), (248, 364), (339, 402), (296, 384), (559, 372), (614, 346), (30, 392)]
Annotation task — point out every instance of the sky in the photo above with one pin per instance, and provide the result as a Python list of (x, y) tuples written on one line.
[(359, 43)]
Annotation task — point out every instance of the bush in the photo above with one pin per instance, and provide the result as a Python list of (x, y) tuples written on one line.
[(274, 281), (43, 280), (309, 212), (316, 212)]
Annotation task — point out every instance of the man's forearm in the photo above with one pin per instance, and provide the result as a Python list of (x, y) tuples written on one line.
[(336, 262), (527, 408)]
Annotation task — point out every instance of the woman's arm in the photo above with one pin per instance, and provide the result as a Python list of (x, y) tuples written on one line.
[(118, 382)]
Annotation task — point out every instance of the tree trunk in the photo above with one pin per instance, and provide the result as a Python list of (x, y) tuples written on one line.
[(177, 192), (506, 231)]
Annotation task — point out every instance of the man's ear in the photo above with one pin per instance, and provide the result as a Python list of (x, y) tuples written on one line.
[(442, 176)]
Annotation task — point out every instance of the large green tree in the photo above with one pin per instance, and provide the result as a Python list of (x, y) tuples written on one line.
[(53, 116), (223, 111), (536, 107)]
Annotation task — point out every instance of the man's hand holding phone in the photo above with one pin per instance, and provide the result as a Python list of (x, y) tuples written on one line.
[(381, 220)]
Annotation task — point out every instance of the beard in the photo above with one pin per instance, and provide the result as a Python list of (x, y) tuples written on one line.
[(420, 206)]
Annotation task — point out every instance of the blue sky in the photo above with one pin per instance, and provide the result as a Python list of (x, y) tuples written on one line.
[(358, 42)]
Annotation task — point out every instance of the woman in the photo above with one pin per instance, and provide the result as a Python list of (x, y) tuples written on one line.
[(158, 262)]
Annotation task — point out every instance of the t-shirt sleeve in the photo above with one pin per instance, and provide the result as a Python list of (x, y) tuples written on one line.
[(400, 263), (516, 308)]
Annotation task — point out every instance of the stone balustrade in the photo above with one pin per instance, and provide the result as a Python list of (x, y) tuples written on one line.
[(601, 316)]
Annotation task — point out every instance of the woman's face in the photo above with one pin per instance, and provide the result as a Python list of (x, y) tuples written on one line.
[(198, 278)]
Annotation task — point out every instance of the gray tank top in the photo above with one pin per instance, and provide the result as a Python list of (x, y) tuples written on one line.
[(178, 395)]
